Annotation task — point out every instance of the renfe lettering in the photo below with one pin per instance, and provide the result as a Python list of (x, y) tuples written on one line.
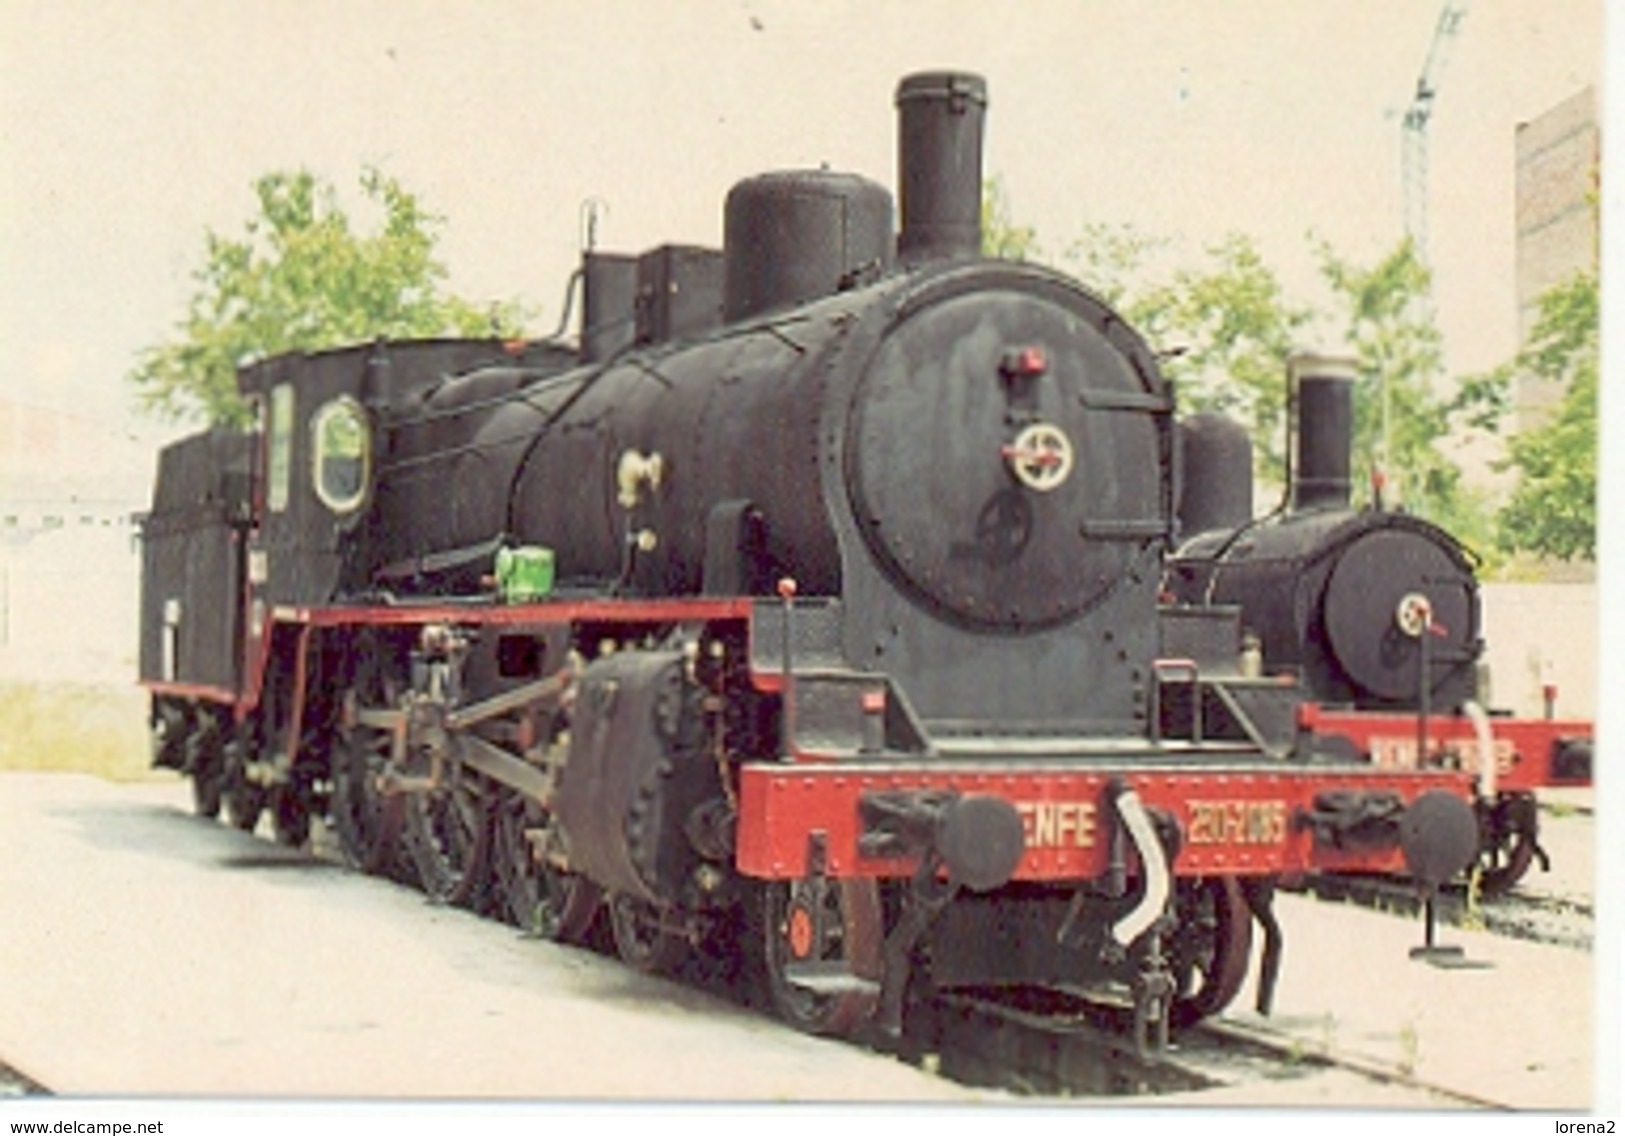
[(1057, 824)]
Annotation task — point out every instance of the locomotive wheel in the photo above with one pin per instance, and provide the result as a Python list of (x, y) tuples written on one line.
[(570, 907), (293, 799), (640, 939), (1211, 950), (205, 761), (290, 813), (1505, 863), (534, 895), (244, 800), (448, 833), (854, 938), (519, 875), (367, 822)]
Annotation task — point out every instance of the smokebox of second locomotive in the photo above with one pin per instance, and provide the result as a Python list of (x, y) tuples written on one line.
[(940, 116)]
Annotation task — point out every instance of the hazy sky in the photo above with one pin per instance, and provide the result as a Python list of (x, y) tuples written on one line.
[(130, 128)]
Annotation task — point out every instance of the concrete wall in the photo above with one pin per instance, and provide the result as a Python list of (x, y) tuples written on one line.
[(69, 604), (1539, 633), (69, 561)]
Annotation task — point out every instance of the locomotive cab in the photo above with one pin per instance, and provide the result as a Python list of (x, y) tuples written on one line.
[(342, 435)]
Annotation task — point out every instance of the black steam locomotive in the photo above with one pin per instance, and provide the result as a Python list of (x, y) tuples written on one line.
[(1341, 595), (814, 607), (1375, 614)]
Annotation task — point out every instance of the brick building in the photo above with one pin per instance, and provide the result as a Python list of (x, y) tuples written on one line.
[(1557, 170)]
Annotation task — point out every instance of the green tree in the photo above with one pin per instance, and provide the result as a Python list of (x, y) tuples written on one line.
[(1002, 236), (301, 277), (1553, 510), (1226, 328), (1402, 416), (1114, 260)]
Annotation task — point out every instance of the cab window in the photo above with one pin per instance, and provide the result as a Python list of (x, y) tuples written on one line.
[(341, 450), (281, 446)]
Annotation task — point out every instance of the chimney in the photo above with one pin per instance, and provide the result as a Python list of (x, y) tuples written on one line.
[(939, 165), (1322, 388)]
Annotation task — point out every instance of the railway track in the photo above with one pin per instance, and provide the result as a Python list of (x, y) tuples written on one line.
[(1538, 917), (1044, 1044), (15, 1084)]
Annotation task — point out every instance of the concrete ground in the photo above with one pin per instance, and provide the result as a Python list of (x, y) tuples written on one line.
[(1513, 1027), (145, 952)]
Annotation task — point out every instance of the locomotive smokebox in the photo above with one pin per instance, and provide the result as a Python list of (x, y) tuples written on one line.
[(939, 165), (1323, 391)]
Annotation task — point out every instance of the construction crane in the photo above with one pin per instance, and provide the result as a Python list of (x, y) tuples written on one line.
[(1414, 136), (1414, 176)]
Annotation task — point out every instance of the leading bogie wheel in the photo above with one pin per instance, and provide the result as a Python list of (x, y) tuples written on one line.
[(1503, 864), (830, 935), (641, 938), (1210, 950)]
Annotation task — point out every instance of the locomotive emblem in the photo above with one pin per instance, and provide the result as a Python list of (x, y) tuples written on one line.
[(1040, 457)]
